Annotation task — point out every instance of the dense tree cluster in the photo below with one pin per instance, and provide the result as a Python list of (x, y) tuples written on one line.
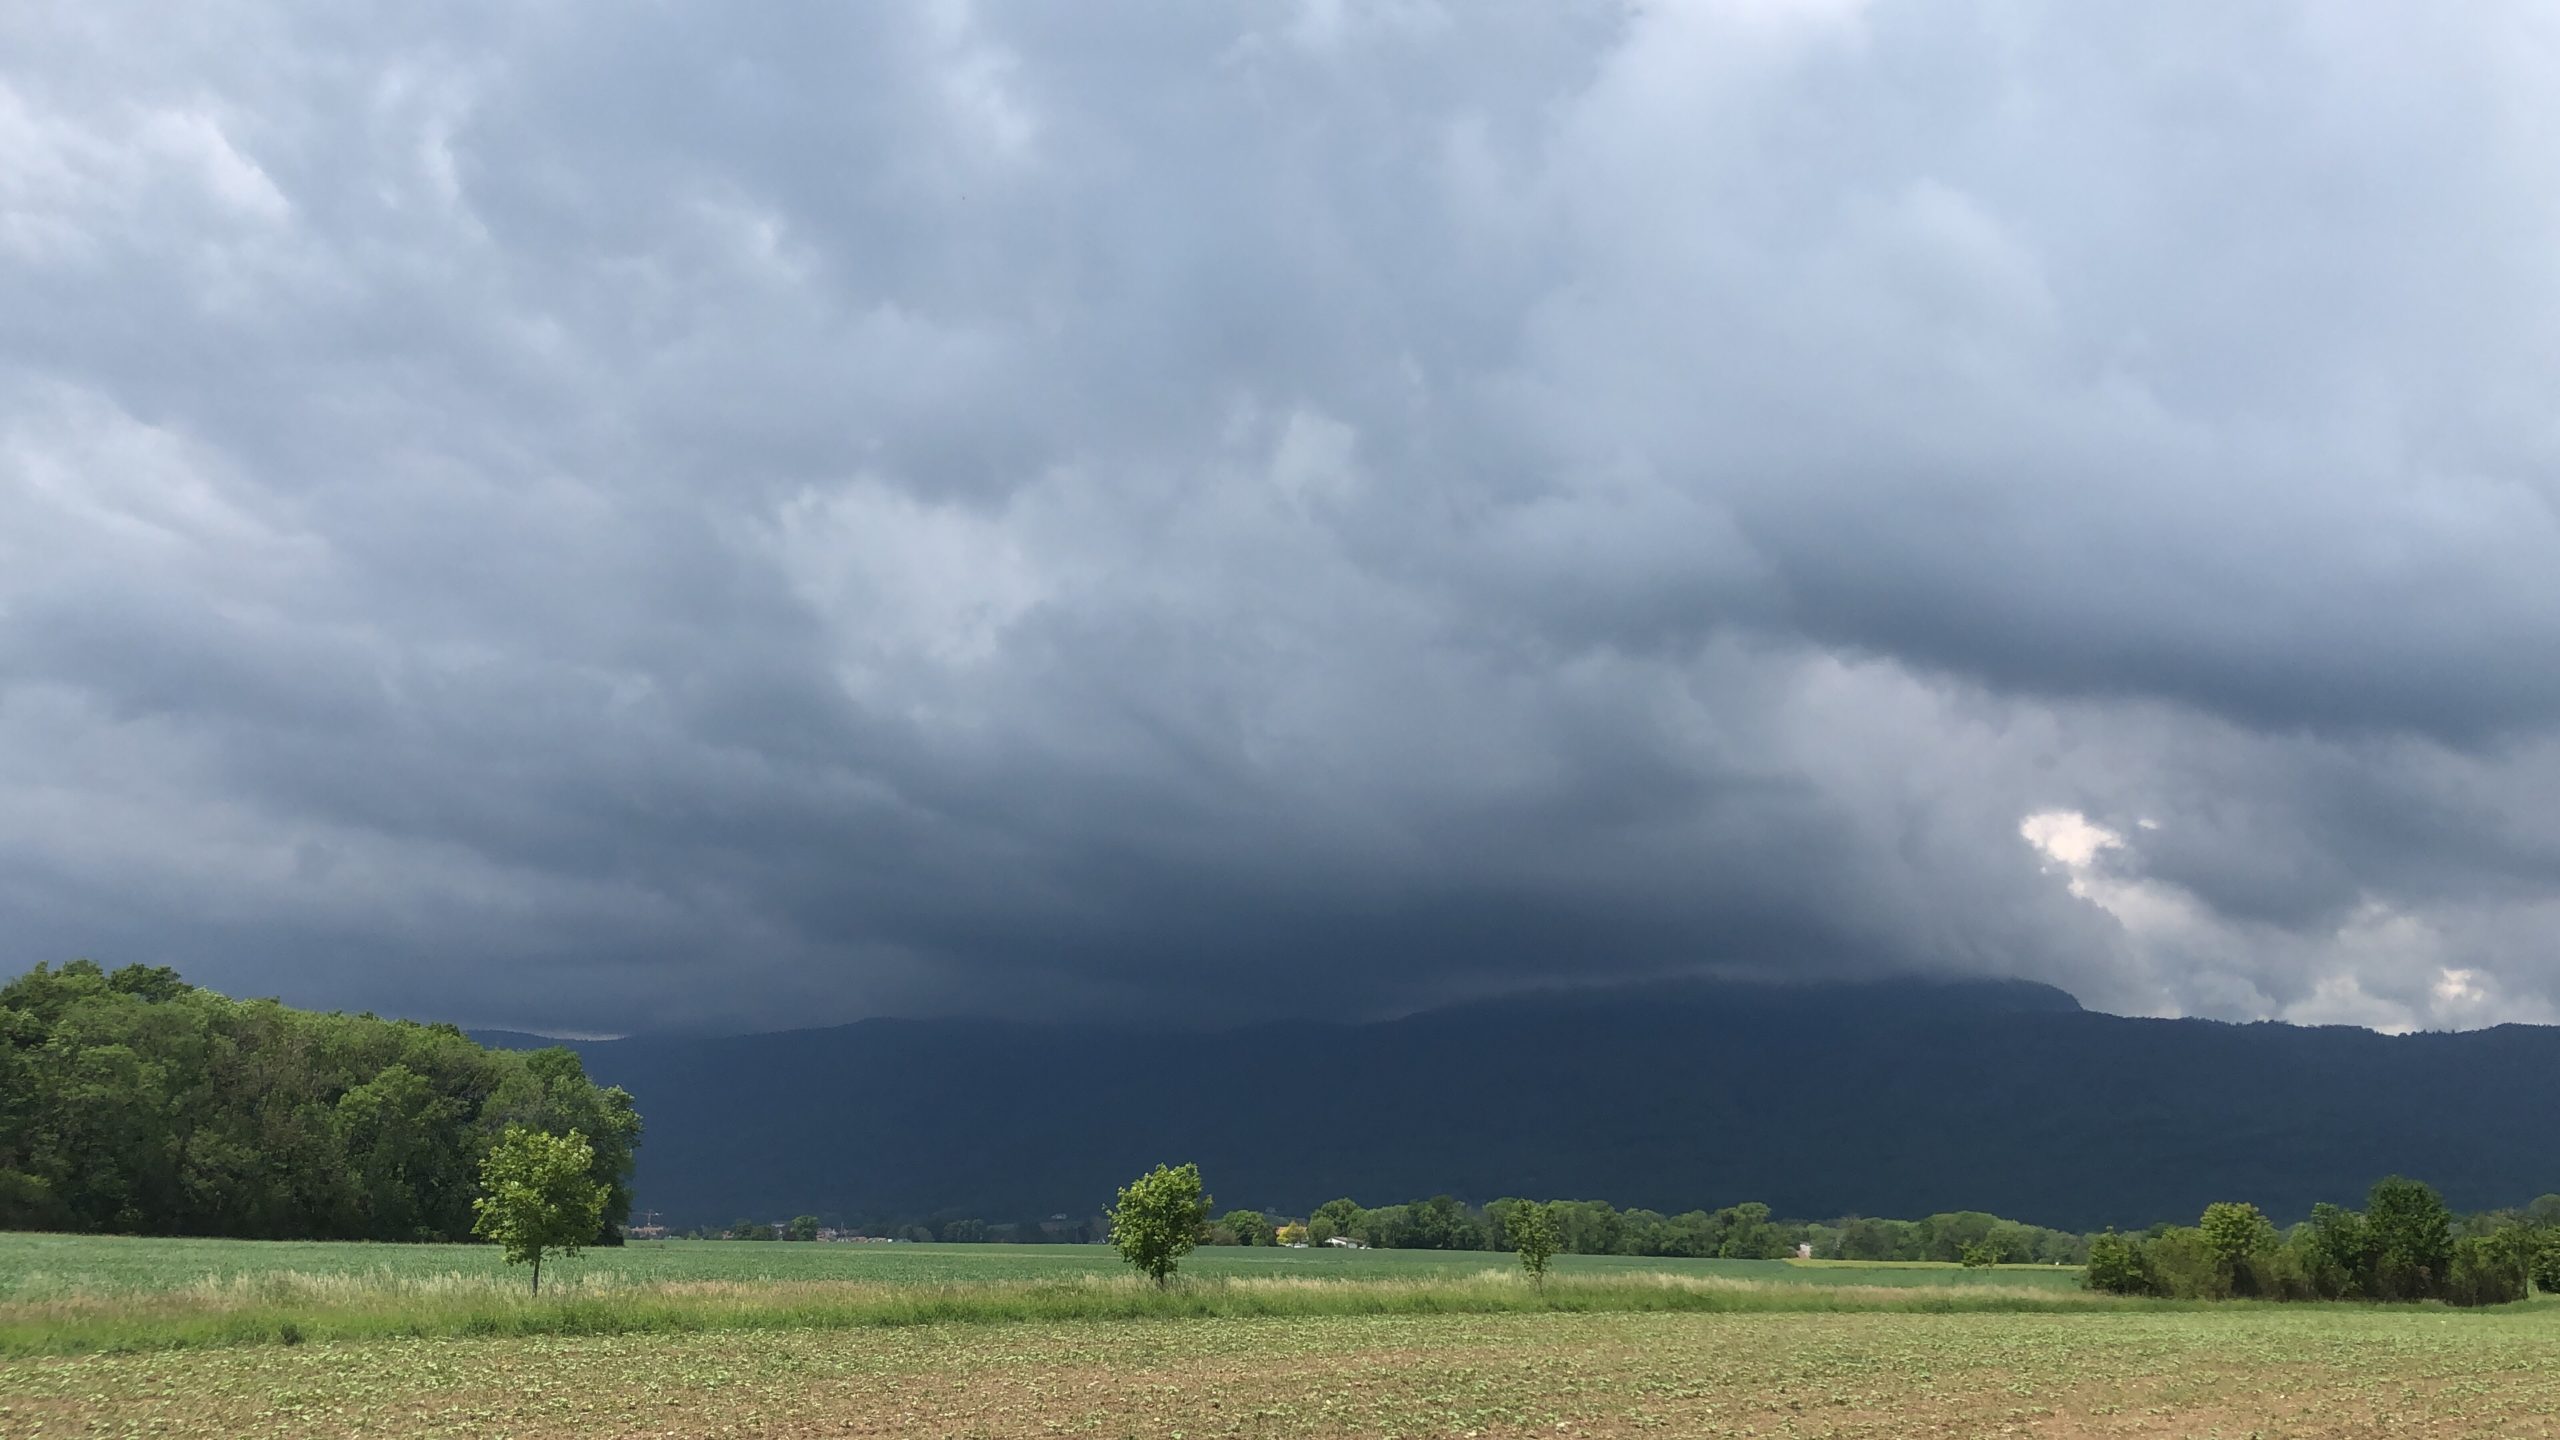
[(2404, 1245), (1736, 1232), (135, 1102), (1584, 1227)]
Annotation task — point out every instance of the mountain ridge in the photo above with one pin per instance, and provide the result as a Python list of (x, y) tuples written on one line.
[(1888, 1097)]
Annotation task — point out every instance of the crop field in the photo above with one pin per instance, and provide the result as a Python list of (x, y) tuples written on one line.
[(35, 1266), (2311, 1374)]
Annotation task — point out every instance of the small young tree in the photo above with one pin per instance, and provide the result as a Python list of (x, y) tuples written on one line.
[(1978, 1255), (537, 1198), (1159, 1219), (1534, 1233)]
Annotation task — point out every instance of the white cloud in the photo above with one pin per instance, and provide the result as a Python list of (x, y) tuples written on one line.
[(2069, 838)]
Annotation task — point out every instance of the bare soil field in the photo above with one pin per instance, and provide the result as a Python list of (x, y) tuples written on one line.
[(2236, 1371)]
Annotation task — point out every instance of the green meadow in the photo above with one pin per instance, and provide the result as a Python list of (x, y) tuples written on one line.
[(74, 1294), (40, 1266)]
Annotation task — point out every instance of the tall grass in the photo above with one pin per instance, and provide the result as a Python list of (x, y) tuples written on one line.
[(287, 1307)]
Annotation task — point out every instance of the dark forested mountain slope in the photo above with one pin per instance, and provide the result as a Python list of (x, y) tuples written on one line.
[(1899, 1098)]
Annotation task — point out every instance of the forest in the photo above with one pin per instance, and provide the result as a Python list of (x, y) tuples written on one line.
[(131, 1101)]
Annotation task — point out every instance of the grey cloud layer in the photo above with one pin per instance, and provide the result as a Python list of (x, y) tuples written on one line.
[(602, 519)]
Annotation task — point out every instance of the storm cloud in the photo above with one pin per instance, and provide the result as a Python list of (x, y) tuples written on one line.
[(599, 517)]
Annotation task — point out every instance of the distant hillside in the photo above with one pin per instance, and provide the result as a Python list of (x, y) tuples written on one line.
[(1900, 1098)]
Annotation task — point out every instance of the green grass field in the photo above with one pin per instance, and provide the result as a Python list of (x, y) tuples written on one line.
[(38, 1267), (68, 1294)]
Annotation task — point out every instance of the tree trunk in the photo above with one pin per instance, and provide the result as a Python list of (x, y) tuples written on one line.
[(537, 1274)]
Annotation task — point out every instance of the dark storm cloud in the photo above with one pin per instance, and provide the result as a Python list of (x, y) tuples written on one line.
[(599, 518)]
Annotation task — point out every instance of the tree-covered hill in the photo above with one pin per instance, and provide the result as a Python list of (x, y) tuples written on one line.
[(135, 1102), (1902, 1098)]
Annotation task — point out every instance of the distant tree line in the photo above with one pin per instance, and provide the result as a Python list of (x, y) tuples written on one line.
[(1595, 1227), (134, 1102), (1584, 1227), (2404, 1245), (948, 1230)]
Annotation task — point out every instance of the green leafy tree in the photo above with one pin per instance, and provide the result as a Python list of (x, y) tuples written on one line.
[(2543, 1263), (1250, 1227), (1594, 1227), (1747, 1232), (1385, 1227), (1978, 1255), (2117, 1265), (551, 1092), (802, 1227), (537, 1197), (405, 1163), (1869, 1239), (1332, 1218), (1440, 1223), (2494, 1267), (1159, 1219), (750, 1230), (2339, 1257), (2235, 1233), (2409, 1235), (1534, 1236), (2182, 1266), (1643, 1232)]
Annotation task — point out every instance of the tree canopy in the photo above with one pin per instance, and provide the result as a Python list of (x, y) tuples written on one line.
[(1159, 1218), (1534, 1237), (537, 1197), (2403, 1247), (132, 1101)]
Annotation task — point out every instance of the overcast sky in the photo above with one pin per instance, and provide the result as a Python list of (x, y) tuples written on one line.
[(604, 517)]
